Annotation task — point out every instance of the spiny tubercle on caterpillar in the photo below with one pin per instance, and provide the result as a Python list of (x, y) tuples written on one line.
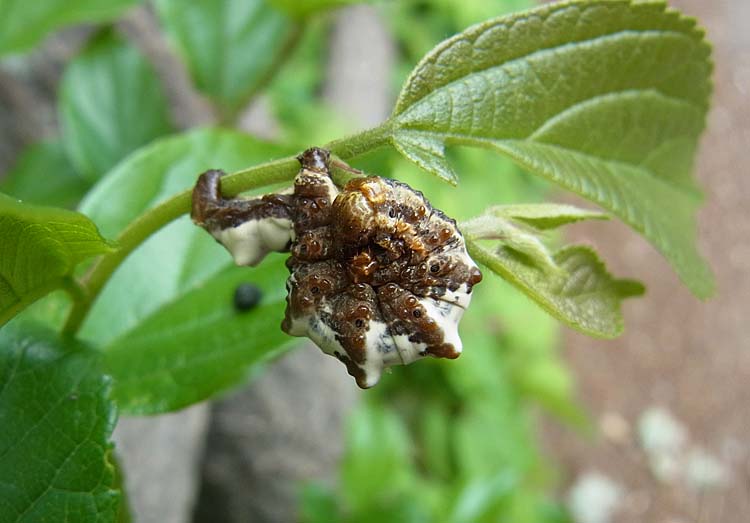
[(378, 277)]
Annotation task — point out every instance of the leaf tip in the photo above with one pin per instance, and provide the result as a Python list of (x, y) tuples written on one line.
[(704, 288), (627, 288)]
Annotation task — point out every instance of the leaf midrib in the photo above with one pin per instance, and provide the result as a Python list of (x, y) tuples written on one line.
[(461, 139)]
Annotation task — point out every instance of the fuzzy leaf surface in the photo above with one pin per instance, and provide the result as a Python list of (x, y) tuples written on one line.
[(111, 103), (605, 98), (39, 249), (57, 418)]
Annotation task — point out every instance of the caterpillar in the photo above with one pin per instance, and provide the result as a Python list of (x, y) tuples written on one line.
[(378, 277)]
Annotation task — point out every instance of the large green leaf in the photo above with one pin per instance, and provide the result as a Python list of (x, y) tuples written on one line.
[(168, 306), (229, 46), (111, 103), (199, 344), (44, 175), (39, 249), (606, 98), (23, 23), (55, 453)]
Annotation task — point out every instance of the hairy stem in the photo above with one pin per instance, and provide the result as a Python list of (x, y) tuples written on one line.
[(361, 143), (154, 219)]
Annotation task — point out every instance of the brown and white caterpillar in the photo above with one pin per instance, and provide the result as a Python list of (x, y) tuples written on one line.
[(378, 277)]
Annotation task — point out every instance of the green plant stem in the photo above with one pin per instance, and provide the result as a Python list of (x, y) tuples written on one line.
[(361, 143), (154, 219)]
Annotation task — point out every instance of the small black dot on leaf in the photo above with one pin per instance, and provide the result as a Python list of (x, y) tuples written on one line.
[(246, 296)]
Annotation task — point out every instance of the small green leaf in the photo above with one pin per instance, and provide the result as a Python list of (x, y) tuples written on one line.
[(39, 248), (23, 24), (582, 293), (543, 216), (43, 175), (302, 8), (57, 418), (605, 97), (199, 345), (528, 243), (111, 103), (176, 288), (229, 46)]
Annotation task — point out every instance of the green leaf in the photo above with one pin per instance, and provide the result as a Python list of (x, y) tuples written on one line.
[(606, 98), (377, 463), (435, 431), (111, 103), (229, 46), (57, 418), (166, 312), (200, 344), (511, 235), (39, 248), (23, 24), (317, 504), (519, 227), (124, 514), (581, 293), (302, 8), (44, 175), (547, 379), (543, 216), (477, 499)]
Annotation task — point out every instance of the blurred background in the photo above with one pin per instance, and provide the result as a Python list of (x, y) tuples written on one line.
[(534, 423)]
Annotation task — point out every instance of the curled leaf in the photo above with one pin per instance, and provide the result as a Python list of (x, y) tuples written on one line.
[(571, 283)]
